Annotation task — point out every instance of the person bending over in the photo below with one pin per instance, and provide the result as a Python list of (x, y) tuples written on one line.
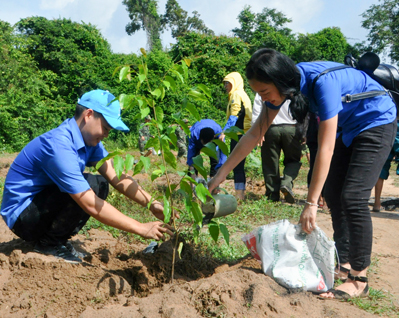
[(47, 196)]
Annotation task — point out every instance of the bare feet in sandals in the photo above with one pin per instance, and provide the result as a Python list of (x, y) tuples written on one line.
[(355, 286)]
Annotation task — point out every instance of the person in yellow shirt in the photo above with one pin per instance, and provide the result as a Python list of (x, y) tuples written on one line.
[(239, 114)]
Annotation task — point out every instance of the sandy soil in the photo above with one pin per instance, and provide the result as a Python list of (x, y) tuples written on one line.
[(118, 280)]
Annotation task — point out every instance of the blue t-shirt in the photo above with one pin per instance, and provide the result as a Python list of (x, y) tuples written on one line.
[(354, 117), (195, 145), (57, 157)]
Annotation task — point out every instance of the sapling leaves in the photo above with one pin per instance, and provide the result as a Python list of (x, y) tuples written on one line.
[(213, 228), (198, 164), (119, 166), (110, 155), (129, 162), (167, 211), (225, 233), (210, 150), (222, 146)]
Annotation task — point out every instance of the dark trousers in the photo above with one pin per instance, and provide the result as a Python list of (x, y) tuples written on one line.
[(239, 172), (353, 173), (277, 138), (53, 216)]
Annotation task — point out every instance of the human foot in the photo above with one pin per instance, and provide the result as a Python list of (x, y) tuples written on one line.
[(355, 286)]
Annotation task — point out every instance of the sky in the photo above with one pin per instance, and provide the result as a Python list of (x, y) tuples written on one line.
[(111, 17)]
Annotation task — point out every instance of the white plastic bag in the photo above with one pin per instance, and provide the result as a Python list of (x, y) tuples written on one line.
[(293, 258)]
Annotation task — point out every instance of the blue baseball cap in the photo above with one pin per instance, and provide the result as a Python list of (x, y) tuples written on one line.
[(100, 101)]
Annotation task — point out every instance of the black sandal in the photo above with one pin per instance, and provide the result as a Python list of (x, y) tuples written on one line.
[(341, 295), (343, 270)]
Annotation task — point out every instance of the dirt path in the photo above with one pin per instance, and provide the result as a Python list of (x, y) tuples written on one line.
[(119, 281)]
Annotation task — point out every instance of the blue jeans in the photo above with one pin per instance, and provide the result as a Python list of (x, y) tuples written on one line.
[(353, 173)]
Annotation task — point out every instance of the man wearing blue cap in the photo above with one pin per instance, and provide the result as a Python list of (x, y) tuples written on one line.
[(47, 198)]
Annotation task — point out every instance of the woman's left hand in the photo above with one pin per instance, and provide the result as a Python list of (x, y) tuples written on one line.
[(308, 218), (157, 209)]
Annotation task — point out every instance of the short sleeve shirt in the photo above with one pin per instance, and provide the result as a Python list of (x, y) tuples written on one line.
[(57, 157), (325, 100)]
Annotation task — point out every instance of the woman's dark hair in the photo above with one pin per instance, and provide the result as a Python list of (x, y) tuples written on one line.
[(270, 66), (207, 135)]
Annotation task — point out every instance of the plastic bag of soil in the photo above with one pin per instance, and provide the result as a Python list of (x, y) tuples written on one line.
[(293, 258)]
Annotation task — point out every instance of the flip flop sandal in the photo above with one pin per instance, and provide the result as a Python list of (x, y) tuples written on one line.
[(341, 295)]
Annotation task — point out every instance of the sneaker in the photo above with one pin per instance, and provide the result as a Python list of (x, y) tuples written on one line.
[(59, 251), (288, 194), (74, 252)]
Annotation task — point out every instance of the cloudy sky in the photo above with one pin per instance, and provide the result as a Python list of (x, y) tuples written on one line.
[(111, 17)]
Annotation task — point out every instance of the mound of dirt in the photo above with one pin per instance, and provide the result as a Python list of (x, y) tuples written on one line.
[(118, 280)]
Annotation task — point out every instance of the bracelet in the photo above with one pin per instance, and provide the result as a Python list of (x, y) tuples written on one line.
[(311, 204)]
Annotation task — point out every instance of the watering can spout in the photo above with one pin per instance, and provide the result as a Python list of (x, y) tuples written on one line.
[(224, 204)]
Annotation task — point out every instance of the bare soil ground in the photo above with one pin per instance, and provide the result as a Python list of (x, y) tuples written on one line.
[(118, 280)]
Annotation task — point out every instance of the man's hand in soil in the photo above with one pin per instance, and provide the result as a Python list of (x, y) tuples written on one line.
[(155, 230)]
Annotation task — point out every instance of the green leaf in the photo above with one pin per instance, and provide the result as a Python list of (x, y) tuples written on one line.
[(225, 233), (199, 165), (159, 114), (110, 155), (214, 230), (146, 162), (185, 127), (157, 93), (124, 73), (210, 150), (179, 76), (186, 188), (162, 92), (156, 174), (170, 158), (180, 248), (142, 78), (197, 95), (167, 211), (173, 138), (202, 192), (185, 69), (118, 166), (205, 90), (222, 146), (193, 110), (129, 161), (144, 112), (197, 213), (189, 179), (138, 167), (166, 83), (232, 132), (171, 82), (127, 101), (152, 142)]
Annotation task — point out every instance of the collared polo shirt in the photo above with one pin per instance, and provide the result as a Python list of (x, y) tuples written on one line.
[(57, 157)]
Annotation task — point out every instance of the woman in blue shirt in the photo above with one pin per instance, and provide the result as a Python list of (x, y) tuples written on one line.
[(354, 141)]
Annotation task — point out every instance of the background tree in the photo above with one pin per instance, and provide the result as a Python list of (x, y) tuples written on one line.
[(180, 23), (328, 44), (265, 29), (382, 21), (29, 104), (144, 14), (75, 52)]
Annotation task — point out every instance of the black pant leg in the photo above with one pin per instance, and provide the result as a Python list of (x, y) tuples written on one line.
[(53, 216)]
